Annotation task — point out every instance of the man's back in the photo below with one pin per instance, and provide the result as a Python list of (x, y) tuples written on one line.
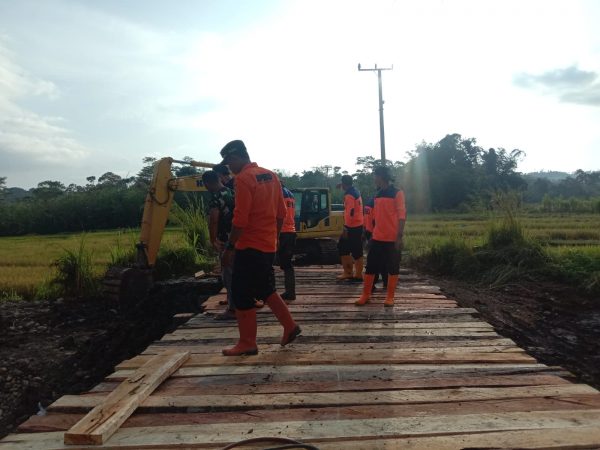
[(258, 205)]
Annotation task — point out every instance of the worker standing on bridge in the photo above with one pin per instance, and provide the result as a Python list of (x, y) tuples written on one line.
[(287, 242), (369, 225), (257, 220), (221, 206), (389, 215), (350, 243)]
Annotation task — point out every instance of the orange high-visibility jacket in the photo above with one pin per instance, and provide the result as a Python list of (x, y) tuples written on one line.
[(353, 208), (368, 216), (389, 209), (289, 223), (258, 206)]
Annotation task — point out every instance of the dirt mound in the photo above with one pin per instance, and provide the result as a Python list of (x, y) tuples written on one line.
[(49, 349)]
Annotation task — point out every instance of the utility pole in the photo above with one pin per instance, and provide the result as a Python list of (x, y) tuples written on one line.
[(381, 128)]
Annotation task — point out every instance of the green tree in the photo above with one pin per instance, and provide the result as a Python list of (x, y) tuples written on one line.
[(48, 189), (144, 176)]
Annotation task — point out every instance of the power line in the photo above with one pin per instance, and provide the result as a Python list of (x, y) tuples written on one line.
[(381, 127)]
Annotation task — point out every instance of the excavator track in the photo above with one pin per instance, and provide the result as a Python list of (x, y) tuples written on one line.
[(329, 253), (127, 285)]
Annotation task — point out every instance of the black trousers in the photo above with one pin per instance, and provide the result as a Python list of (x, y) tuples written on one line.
[(352, 245), (383, 258), (287, 242), (253, 277)]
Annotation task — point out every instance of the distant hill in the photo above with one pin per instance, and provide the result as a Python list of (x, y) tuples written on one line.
[(551, 175), (13, 194)]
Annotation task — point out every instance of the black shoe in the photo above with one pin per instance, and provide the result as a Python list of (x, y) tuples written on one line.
[(288, 296)]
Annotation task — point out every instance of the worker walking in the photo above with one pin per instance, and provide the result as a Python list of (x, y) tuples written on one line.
[(287, 242), (389, 215), (257, 220), (350, 243), (221, 206)]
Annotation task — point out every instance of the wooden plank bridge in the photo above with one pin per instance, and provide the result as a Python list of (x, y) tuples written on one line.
[(425, 374)]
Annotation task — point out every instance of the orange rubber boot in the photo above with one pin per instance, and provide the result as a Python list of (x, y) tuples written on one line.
[(368, 280), (347, 266), (290, 329), (391, 290), (247, 327), (358, 269)]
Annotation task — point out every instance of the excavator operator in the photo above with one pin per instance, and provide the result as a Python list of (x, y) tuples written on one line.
[(350, 243), (257, 220)]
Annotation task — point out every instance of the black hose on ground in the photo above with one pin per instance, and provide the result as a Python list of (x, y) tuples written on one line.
[(288, 443)]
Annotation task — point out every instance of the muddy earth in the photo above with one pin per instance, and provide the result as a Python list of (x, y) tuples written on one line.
[(554, 323), (49, 349)]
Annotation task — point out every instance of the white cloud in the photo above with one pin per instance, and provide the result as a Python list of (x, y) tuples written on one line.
[(26, 138)]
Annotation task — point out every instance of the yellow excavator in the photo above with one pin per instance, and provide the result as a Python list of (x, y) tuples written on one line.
[(318, 227)]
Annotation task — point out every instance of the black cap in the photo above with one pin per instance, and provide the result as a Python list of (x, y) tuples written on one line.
[(347, 180), (236, 147), (383, 172), (222, 169)]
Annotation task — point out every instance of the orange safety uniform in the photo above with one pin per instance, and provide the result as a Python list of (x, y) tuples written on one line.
[(388, 210), (258, 205), (353, 208), (289, 223), (368, 216)]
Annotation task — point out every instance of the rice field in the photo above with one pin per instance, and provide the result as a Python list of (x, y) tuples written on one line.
[(559, 233), (26, 261)]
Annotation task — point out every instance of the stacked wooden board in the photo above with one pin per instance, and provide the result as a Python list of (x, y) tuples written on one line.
[(425, 374)]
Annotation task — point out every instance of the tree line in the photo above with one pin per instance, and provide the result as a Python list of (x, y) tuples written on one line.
[(454, 174)]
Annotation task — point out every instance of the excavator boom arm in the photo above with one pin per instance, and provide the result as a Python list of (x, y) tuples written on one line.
[(159, 201)]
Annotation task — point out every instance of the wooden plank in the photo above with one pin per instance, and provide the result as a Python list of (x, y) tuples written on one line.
[(450, 315), (240, 385), (409, 369), (200, 386), (493, 344), (106, 418), (370, 323), (306, 400), (391, 356), (331, 346), (399, 324), (334, 330), (56, 421), (543, 422)]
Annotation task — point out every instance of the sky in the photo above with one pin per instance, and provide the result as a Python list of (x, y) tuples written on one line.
[(88, 87)]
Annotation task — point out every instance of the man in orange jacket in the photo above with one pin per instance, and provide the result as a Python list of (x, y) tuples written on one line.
[(257, 220), (350, 243), (287, 242), (389, 216)]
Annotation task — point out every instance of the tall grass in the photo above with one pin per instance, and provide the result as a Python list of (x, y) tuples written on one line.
[(193, 222), (124, 255), (505, 253), (74, 275)]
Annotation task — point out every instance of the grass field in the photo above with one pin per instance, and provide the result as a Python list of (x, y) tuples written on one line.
[(556, 232), (571, 239), (26, 261)]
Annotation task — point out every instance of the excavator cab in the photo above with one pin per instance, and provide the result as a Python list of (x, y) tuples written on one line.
[(318, 226), (312, 207)]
